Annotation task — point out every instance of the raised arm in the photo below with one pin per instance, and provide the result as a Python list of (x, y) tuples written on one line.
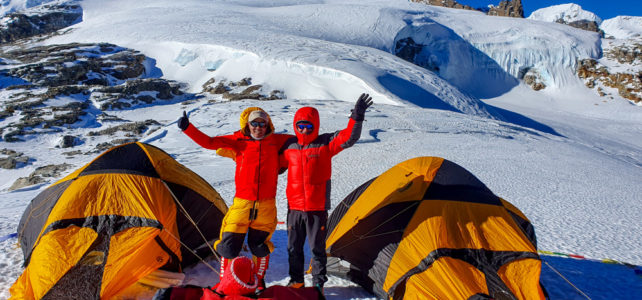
[(205, 141), (350, 135)]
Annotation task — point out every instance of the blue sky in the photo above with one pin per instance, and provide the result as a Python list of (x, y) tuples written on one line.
[(604, 9)]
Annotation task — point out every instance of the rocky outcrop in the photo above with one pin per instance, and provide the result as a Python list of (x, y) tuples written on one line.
[(39, 20), (242, 89), (71, 64), (532, 78), (585, 25), (68, 141), (132, 129), (136, 92), (444, 3), (102, 75), (12, 159), (625, 78), (510, 8), (597, 76), (630, 53), (26, 181), (39, 176)]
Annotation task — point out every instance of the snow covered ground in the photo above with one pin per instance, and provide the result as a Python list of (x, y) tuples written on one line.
[(570, 160)]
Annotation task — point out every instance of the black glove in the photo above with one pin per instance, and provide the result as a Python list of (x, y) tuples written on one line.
[(183, 122), (359, 111)]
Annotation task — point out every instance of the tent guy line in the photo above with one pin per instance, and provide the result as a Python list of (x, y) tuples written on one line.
[(637, 269)]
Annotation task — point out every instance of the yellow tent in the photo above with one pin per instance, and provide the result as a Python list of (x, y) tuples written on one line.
[(129, 212), (428, 229)]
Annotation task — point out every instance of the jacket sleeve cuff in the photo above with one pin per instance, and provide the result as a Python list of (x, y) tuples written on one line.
[(357, 117)]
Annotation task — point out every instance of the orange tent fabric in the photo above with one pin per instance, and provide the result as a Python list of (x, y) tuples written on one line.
[(132, 210), (428, 229)]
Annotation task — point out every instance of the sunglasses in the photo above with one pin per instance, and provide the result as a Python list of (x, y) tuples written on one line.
[(258, 124), (304, 126)]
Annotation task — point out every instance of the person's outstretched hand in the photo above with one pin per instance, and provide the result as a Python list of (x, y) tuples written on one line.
[(359, 111), (183, 122)]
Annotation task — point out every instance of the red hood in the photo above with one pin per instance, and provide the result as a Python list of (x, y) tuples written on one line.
[(311, 115)]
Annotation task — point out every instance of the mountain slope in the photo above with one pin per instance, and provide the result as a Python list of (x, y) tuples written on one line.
[(569, 159)]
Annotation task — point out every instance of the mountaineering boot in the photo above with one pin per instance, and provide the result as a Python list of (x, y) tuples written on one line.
[(261, 264), (260, 286), (295, 284)]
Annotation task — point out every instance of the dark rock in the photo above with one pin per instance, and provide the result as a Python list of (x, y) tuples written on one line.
[(534, 82), (50, 170), (69, 141), (251, 90), (8, 163), (25, 181), (117, 142), (510, 8), (532, 78), (12, 136), (164, 89), (408, 50), (249, 93), (188, 102), (37, 176), (444, 3), (628, 54), (9, 152), (135, 128), (207, 86), (276, 94), (108, 117), (101, 148), (220, 89), (584, 25), (91, 73), (126, 95), (72, 153), (629, 86), (587, 25), (70, 64), (242, 82), (22, 25)]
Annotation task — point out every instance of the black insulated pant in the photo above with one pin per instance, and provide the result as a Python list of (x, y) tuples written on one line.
[(313, 225)]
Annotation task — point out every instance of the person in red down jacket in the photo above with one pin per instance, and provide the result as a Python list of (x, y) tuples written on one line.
[(255, 148), (308, 158)]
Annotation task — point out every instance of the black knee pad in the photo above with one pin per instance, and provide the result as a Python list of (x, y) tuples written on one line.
[(256, 242), (231, 244)]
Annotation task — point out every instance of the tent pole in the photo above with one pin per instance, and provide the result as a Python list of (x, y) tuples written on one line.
[(191, 220), (194, 253)]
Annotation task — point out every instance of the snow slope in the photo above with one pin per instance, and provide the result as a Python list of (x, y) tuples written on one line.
[(571, 161), (623, 27), (518, 45), (568, 13)]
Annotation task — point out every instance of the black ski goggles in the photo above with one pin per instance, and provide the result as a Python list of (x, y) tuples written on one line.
[(258, 124)]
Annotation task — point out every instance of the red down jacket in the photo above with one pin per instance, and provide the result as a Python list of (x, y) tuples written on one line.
[(309, 161), (257, 163)]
